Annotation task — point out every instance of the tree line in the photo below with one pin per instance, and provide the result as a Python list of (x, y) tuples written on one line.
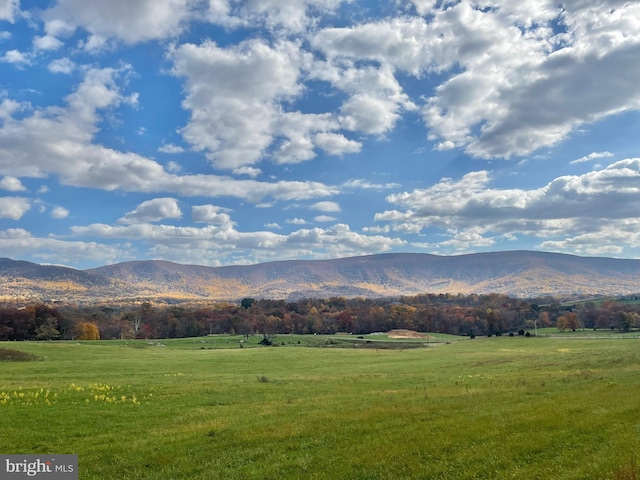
[(472, 315)]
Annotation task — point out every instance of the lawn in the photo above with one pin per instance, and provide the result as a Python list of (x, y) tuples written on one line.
[(488, 408)]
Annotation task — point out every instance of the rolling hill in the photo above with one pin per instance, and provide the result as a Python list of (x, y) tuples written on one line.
[(516, 273)]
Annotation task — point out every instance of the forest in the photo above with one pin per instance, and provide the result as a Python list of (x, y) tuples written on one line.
[(468, 315)]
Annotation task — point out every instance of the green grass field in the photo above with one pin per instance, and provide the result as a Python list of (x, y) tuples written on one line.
[(488, 408)]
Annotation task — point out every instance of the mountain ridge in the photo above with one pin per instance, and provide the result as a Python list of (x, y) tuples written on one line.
[(519, 273)]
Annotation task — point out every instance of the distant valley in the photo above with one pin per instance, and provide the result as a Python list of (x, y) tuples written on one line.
[(524, 274)]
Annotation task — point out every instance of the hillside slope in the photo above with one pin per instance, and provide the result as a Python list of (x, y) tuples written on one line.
[(516, 273), (519, 273), (20, 280)]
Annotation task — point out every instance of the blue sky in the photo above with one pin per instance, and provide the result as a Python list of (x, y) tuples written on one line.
[(232, 132)]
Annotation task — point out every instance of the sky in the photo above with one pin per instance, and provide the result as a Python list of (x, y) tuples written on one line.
[(219, 132)]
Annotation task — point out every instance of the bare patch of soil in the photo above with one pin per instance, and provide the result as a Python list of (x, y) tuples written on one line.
[(403, 333), (9, 355)]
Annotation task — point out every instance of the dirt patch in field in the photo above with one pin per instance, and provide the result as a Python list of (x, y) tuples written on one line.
[(9, 355), (402, 333)]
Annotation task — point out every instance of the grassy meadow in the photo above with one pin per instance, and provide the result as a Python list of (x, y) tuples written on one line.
[(487, 408)]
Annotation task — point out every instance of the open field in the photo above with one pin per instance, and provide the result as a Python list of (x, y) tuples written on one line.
[(507, 407)]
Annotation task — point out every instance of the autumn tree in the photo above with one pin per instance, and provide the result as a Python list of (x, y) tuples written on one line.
[(87, 331), (543, 318), (573, 321), (561, 323)]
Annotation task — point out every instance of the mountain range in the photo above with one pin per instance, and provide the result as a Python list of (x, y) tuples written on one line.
[(525, 274)]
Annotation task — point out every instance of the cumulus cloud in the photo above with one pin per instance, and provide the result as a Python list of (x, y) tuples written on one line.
[(13, 207), (153, 211), (11, 184), (324, 218), (189, 244), (527, 86), (288, 16), (9, 9), (170, 148), (16, 57), (336, 143), (520, 75), (232, 95), (326, 206), (46, 42), (60, 141), (130, 22), (236, 97), (18, 242), (62, 65), (376, 99), (296, 221), (210, 214), (588, 208), (59, 213), (249, 171)]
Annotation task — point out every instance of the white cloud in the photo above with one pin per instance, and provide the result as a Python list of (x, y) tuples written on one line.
[(9, 9), (11, 184), (130, 22), (173, 167), (530, 88), (302, 134), (326, 206), (236, 97), (520, 76), (170, 148), (249, 171), (17, 242), (213, 243), (468, 239), (336, 143), (62, 65), (376, 99), (289, 16), (153, 211), (59, 141), (13, 207), (210, 214), (377, 229), (232, 95), (296, 221), (16, 57), (59, 213), (273, 225), (593, 207), (591, 156), (324, 218), (365, 184), (46, 42)]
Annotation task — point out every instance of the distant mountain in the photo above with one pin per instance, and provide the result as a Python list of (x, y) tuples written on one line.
[(517, 273), (26, 280)]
